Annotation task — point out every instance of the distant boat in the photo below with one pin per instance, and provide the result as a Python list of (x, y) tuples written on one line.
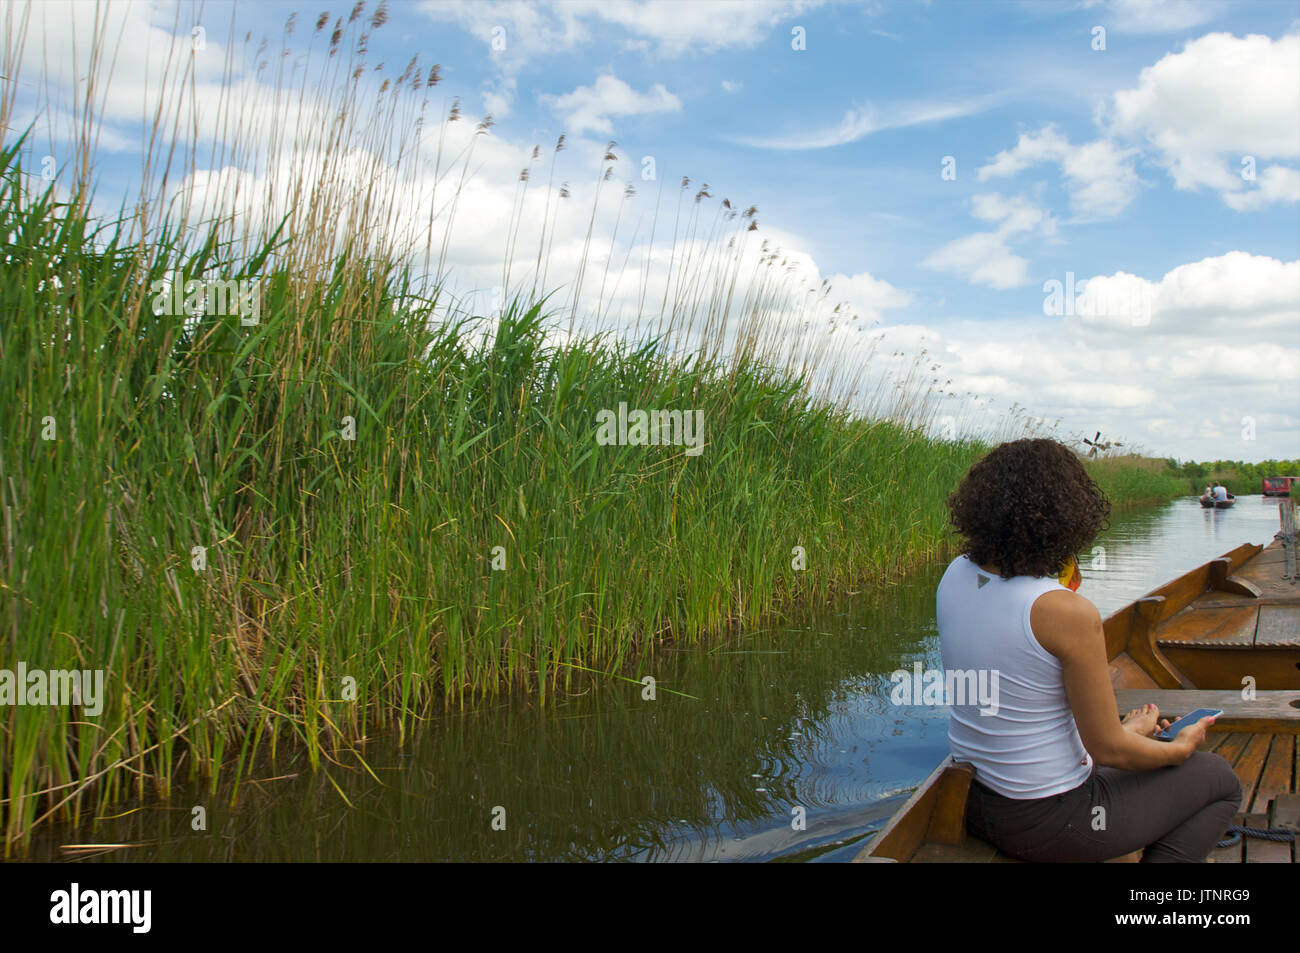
[(1210, 504), (1279, 486)]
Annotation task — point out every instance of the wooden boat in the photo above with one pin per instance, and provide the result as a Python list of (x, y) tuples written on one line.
[(1185, 645), (1211, 504), (1279, 486)]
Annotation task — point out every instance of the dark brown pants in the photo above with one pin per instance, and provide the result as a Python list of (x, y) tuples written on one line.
[(1177, 813)]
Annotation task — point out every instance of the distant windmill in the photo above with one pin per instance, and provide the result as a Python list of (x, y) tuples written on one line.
[(1097, 445)]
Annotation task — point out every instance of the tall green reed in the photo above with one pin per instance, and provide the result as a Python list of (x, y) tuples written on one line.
[(374, 501)]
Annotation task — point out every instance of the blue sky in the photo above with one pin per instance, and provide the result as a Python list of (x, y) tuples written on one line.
[(1122, 165)]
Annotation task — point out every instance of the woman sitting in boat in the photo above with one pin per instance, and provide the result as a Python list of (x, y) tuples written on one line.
[(1058, 776)]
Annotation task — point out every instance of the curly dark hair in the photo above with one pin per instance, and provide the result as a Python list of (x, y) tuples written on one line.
[(1028, 506)]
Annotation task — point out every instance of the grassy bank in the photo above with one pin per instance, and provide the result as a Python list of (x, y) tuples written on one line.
[(1237, 475), (1134, 480), (348, 513)]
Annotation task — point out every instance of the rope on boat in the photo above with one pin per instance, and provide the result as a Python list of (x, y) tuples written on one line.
[(1273, 833)]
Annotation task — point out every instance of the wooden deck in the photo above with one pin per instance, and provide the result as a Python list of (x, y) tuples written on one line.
[(1266, 766)]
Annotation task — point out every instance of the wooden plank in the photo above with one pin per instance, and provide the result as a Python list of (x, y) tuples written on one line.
[(1179, 592), (1276, 592), (1285, 812), (1197, 626), (1275, 779), (1247, 553), (1278, 625), (906, 830), (948, 818), (1116, 628), (1269, 711), (1264, 851), (1232, 747), (1211, 667), (1249, 767), (1284, 815), (1126, 673)]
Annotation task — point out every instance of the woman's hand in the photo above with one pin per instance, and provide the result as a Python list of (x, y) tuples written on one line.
[(1193, 736)]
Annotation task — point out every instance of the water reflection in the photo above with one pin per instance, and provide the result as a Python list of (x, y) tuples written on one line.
[(794, 716)]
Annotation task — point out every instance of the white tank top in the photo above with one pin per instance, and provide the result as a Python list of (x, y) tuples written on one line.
[(1030, 748)]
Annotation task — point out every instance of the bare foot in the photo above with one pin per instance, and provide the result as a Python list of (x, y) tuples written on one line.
[(1142, 721)]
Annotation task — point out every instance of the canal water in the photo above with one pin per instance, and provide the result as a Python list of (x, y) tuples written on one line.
[(779, 744)]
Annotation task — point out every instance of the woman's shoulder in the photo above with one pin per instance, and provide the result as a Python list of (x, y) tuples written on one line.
[(962, 563), (1058, 615)]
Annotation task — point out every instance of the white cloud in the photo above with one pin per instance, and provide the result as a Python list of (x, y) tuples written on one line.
[(982, 258), (1277, 183), (1223, 342), (1105, 392), (985, 257), (1221, 99), (860, 122), (1100, 175), (589, 108), (678, 26), (729, 87), (499, 98), (1016, 214), (1156, 16), (1231, 363), (866, 295), (1259, 295)]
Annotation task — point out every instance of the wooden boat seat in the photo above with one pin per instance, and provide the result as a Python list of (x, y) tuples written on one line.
[(1277, 712)]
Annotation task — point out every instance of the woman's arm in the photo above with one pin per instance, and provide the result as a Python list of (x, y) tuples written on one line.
[(1069, 626)]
